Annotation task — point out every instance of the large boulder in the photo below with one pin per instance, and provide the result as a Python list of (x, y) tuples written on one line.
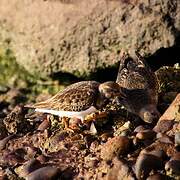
[(77, 36)]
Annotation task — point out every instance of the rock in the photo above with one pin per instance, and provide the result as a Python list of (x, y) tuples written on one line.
[(28, 167), (14, 158), (114, 147), (47, 173), (80, 36), (145, 163), (139, 129), (173, 165), (146, 134), (171, 115), (157, 177), (15, 121), (122, 130), (4, 141), (159, 153), (44, 125), (104, 137), (119, 170), (167, 148), (163, 126), (177, 138), (165, 139)]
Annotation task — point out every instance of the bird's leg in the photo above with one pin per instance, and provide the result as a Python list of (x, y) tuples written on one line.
[(65, 122), (94, 116)]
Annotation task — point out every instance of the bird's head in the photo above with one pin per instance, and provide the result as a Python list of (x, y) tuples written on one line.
[(110, 90), (149, 113)]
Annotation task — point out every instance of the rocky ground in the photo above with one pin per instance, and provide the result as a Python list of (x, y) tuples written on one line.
[(35, 146)]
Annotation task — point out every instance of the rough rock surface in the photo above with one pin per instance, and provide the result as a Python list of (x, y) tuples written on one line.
[(79, 36), (170, 117)]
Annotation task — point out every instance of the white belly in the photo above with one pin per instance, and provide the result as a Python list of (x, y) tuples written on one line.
[(70, 114)]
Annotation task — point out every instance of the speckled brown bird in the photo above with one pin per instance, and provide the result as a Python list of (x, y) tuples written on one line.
[(140, 87), (80, 99)]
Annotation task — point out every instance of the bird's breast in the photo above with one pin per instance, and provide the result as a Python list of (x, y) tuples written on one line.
[(69, 114)]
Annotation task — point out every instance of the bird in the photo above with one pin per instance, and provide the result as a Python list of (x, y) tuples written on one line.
[(79, 100), (139, 86)]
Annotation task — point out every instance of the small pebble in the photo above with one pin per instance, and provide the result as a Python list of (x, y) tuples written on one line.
[(177, 138), (139, 129), (93, 129), (104, 137), (146, 134), (44, 125)]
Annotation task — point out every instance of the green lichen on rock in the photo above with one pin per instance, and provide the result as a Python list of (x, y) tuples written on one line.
[(15, 76), (11, 73)]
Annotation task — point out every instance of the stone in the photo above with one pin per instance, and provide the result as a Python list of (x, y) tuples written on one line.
[(168, 119), (46, 172), (173, 165), (145, 163), (119, 170), (167, 148), (114, 147), (3, 142), (146, 134), (177, 138), (157, 176), (28, 167), (79, 36)]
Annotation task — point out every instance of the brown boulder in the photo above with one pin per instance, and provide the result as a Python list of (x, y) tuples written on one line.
[(80, 36)]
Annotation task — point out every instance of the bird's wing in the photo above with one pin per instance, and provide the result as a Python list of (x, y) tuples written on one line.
[(76, 97), (147, 73), (136, 74)]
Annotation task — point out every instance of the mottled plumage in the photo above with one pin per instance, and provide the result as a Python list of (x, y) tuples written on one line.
[(140, 87), (79, 99)]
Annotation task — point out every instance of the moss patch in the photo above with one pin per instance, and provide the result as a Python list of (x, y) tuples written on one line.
[(15, 76), (11, 73)]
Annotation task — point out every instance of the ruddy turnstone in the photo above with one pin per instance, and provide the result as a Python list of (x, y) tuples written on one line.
[(140, 87), (79, 100)]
